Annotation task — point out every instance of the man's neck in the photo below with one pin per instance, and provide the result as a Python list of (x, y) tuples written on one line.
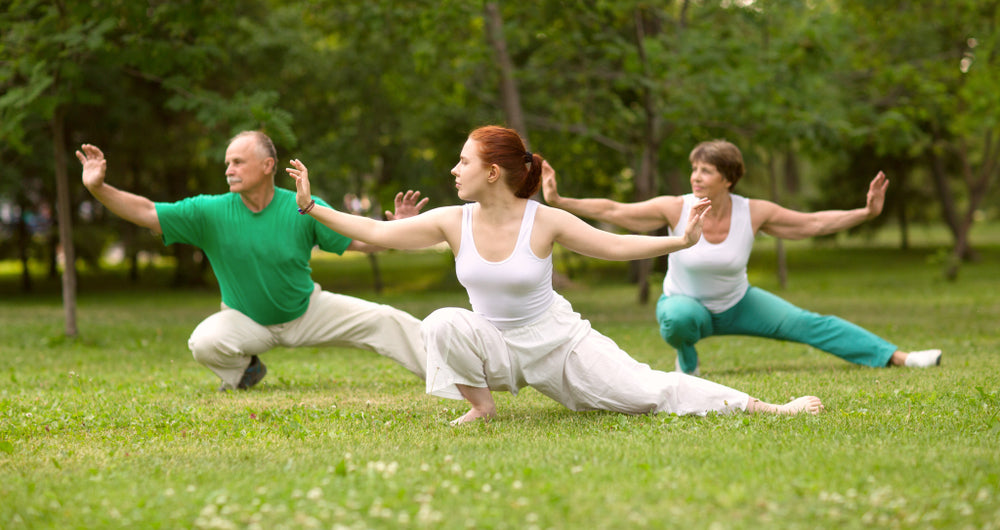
[(257, 200)]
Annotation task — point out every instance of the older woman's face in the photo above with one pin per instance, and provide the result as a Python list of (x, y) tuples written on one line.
[(707, 180)]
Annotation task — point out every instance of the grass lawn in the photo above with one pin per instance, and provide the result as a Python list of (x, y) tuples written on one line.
[(122, 428)]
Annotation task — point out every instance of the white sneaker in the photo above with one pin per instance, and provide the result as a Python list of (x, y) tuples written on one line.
[(923, 359), (677, 368)]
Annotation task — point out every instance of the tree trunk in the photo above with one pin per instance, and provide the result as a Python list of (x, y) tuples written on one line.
[(376, 273), (52, 240), (509, 94), (23, 242), (779, 245), (904, 226), (792, 178), (943, 191), (133, 266), (961, 224), (644, 189), (65, 216), (978, 186), (645, 182)]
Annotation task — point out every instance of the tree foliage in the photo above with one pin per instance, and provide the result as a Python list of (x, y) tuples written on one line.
[(378, 96)]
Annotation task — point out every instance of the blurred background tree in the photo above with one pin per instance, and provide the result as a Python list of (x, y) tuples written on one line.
[(378, 96)]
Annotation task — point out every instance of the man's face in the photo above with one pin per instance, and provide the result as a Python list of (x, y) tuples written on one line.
[(246, 169)]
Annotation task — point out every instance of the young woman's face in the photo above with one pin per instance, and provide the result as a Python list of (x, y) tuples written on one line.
[(707, 181), (470, 172)]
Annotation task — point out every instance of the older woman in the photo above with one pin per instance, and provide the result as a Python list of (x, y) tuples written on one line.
[(520, 332), (706, 291)]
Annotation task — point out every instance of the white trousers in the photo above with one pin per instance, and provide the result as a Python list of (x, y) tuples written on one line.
[(561, 356), (224, 341)]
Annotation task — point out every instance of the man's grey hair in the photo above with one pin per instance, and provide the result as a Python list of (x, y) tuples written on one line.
[(265, 147)]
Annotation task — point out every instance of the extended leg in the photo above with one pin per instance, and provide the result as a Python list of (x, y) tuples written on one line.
[(339, 320), (763, 314)]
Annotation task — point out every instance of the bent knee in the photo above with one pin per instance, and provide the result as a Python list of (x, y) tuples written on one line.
[(441, 321), (204, 346), (680, 330)]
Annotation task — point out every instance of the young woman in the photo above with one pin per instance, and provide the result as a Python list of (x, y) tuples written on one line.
[(520, 332)]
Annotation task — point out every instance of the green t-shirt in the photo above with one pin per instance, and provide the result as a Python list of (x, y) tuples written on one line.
[(261, 260)]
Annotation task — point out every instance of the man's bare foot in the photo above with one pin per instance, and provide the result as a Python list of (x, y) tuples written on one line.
[(810, 404), (473, 415)]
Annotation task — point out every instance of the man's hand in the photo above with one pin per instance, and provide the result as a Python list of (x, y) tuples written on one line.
[(406, 205), (94, 165)]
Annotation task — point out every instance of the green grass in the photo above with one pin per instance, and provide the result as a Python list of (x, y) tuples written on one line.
[(121, 428)]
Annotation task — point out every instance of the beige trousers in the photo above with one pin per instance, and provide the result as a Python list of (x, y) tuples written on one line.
[(561, 356), (224, 341)]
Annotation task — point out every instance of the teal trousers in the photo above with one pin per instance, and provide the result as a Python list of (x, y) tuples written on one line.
[(684, 321)]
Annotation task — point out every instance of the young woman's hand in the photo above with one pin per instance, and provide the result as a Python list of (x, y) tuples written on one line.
[(300, 173), (696, 218)]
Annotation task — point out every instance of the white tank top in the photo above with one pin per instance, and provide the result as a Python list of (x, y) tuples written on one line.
[(714, 274), (509, 293)]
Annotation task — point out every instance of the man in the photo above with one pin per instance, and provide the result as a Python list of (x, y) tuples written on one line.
[(259, 246)]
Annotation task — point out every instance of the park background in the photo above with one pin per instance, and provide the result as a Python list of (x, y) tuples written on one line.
[(107, 422)]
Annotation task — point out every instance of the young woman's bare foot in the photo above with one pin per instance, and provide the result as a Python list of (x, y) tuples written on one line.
[(482, 403), (810, 404), (473, 415)]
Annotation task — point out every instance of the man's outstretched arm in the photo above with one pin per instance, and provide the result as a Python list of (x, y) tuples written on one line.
[(129, 206)]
